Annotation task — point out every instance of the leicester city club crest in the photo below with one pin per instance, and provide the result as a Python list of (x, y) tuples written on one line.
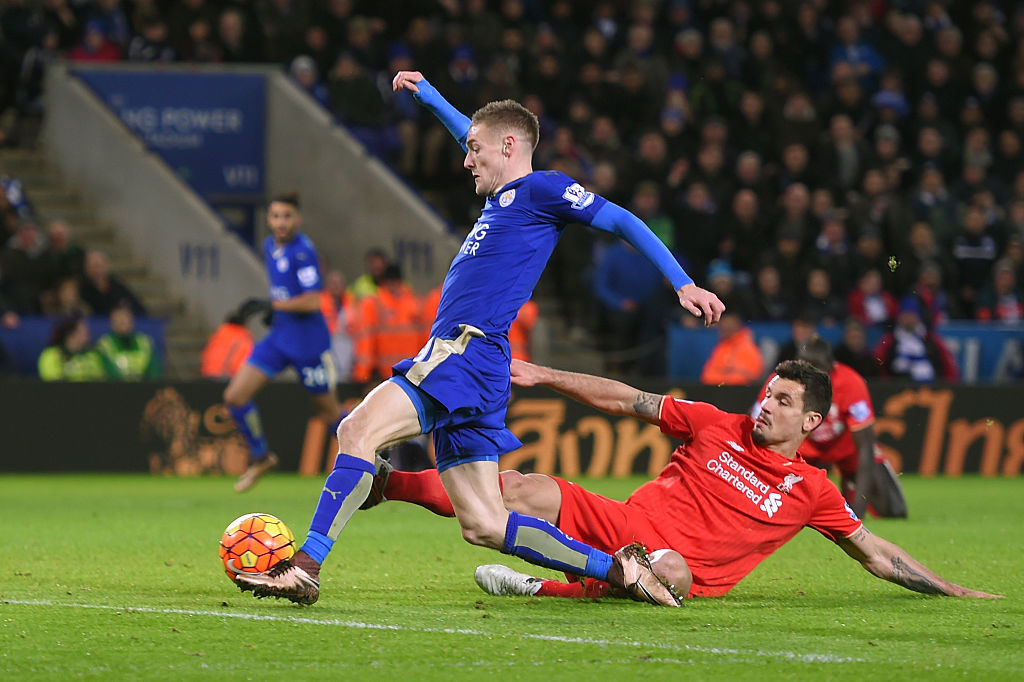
[(506, 198)]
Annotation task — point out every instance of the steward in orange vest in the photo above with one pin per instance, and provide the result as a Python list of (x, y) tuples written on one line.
[(388, 327)]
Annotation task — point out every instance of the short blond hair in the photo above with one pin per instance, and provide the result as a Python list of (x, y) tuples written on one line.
[(508, 114)]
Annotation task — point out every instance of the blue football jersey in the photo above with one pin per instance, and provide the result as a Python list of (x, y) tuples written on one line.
[(293, 269), (503, 256)]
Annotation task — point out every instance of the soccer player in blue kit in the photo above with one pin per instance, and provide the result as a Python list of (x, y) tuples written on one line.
[(458, 385), (298, 336)]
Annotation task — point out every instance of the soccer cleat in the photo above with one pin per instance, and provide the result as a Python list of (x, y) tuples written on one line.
[(502, 581), (287, 579), (255, 472), (639, 580), (380, 479)]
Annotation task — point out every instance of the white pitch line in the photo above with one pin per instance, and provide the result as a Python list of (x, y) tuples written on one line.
[(787, 655)]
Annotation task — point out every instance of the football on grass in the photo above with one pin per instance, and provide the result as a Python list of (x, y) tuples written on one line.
[(253, 543)]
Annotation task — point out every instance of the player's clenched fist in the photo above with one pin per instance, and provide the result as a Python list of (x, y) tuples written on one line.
[(406, 80)]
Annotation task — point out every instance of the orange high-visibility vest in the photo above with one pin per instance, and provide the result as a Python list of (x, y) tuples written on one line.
[(387, 328), (330, 308), (225, 351), (519, 332)]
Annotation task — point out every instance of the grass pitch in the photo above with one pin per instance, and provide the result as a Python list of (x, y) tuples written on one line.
[(117, 577)]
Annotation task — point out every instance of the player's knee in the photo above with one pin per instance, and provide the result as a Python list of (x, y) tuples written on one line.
[(671, 567), (512, 487), (351, 433), (481, 533)]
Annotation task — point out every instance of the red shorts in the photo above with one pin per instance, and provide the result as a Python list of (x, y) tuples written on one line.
[(604, 523)]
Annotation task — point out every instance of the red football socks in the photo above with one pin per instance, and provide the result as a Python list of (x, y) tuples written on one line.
[(419, 487), (589, 588)]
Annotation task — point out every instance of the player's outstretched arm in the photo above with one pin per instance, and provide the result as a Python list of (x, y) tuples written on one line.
[(607, 395), (891, 562), (700, 302), (426, 94)]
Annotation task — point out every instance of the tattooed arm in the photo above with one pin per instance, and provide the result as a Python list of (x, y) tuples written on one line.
[(607, 395), (890, 562)]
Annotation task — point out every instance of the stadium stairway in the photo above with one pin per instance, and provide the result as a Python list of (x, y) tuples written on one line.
[(184, 333)]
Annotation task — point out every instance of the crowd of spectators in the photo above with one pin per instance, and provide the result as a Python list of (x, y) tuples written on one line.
[(47, 273), (823, 158)]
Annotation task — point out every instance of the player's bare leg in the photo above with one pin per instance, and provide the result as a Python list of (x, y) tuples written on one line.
[(238, 396), (385, 417)]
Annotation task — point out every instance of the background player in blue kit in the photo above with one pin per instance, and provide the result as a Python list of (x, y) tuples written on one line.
[(458, 385), (298, 336)]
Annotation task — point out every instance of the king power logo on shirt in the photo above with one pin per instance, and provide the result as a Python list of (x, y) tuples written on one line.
[(474, 238)]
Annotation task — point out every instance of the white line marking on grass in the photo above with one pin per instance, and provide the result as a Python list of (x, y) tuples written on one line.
[(721, 651)]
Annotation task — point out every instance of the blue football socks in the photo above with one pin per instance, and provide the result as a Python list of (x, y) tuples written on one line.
[(541, 543), (344, 490), (247, 420)]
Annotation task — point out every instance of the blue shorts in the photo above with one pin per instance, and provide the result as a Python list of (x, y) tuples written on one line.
[(461, 388), (313, 362)]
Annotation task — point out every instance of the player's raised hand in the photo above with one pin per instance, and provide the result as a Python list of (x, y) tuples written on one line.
[(701, 303), (525, 373), (407, 80)]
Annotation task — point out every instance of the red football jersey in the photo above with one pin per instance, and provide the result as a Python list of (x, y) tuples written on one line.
[(851, 411), (729, 503)]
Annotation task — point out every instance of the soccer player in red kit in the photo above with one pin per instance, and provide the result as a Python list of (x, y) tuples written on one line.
[(733, 493), (846, 438)]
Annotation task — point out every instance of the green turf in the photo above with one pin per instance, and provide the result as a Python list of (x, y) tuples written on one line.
[(117, 577)]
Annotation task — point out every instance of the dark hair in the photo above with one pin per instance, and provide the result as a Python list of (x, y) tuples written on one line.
[(291, 198), (817, 385), (62, 329), (505, 114), (816, 351)]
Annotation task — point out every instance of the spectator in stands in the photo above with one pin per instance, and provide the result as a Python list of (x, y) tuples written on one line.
[(932, 202), (61, 259), (931, 288), (912, 350), (24, 272), (722, 280), (9, 318), (388, 327), (802, 328), (1001, 300), (843, 156), (238, 36), (103, 291), (338, 306), (853, 349), (627, 285), (646, 205), (975, 249), (770, 302), (94, 46), (921, 247), (375, 262), (69, 355), (862, 57), (306, 75), (129, 354), (229, 346), (152, 44), (735, 360), (869, 303), (66, 299), (819, 301)]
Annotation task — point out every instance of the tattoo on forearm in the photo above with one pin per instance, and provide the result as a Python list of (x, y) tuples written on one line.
[(912, 579), (646, 404)]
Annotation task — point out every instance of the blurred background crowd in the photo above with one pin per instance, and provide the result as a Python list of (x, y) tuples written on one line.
[(826, 161)]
